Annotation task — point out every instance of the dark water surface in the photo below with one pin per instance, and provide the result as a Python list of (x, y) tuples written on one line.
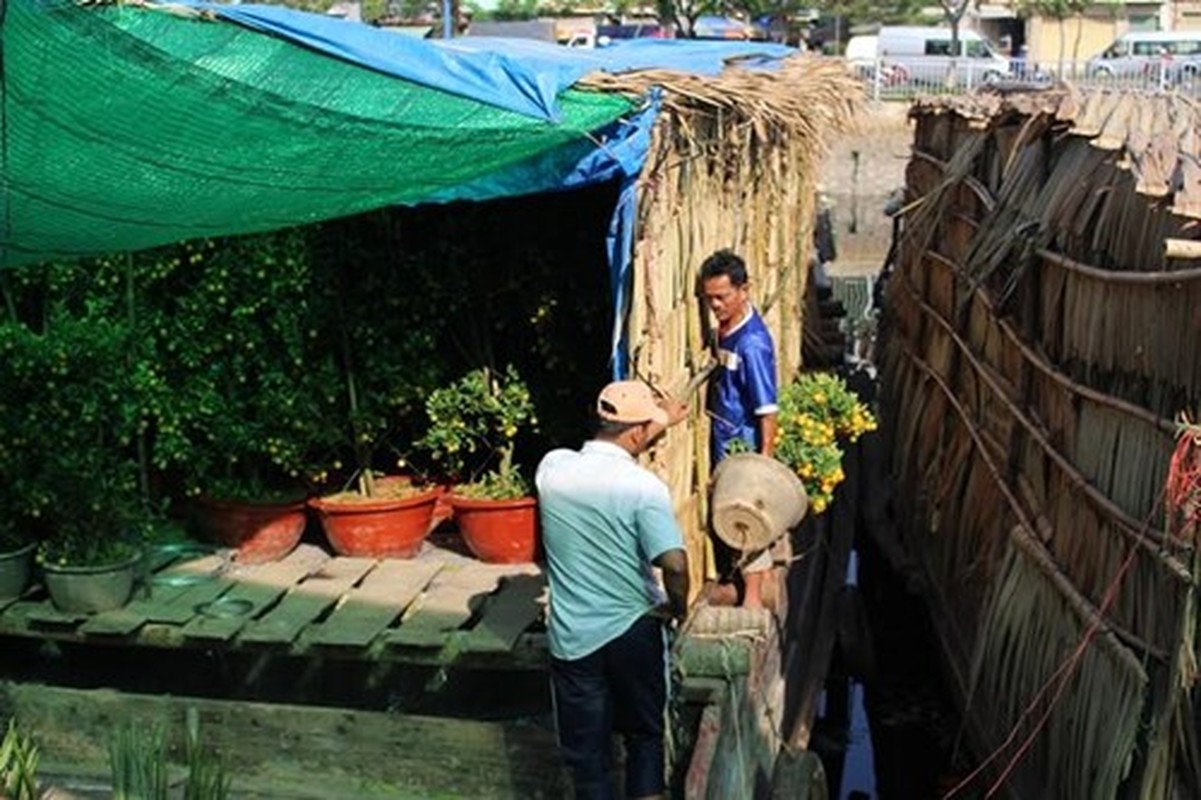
[(888, 726)]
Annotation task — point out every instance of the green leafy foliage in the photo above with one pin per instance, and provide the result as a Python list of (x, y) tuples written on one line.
[(137, 757), (18, 764), (139, 762), (268, 366), (11, 537), (70, 418), (240, 392), (207, 778), (473, 424), (816, 411), (380, 322)]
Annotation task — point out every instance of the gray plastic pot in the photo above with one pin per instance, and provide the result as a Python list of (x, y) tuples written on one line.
[(90, 590), (15, 568)]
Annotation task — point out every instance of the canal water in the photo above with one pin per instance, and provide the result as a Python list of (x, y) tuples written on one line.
[(887, 727)]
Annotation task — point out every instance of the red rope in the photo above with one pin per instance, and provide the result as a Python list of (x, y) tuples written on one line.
[(1184, 473), (1184, 478)]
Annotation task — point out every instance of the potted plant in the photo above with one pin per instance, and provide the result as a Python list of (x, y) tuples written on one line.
[(16, 560), (96, 522), (73, 476), (240, 404), (472, 433), (386, 361), (816, 411)]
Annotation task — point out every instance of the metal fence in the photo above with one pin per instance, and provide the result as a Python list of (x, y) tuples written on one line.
[(888, 80)]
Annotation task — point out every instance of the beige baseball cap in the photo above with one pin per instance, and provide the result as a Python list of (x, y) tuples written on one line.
[(629, 401)]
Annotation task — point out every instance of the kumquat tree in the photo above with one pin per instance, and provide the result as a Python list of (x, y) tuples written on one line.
[(817, 412)]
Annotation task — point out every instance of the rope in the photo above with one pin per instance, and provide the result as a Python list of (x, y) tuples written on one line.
[(678, 675), (727, 672), (1184, 474), (1182, 484)]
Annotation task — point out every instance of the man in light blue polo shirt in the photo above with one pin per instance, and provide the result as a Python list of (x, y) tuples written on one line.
[(605, 522)]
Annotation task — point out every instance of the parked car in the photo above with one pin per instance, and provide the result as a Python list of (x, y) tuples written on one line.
[(711, 26), (863, 58), (1142, 53), (924, 54)]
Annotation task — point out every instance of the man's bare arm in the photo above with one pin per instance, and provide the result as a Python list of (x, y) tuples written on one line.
[(768, 424), (674, 564)]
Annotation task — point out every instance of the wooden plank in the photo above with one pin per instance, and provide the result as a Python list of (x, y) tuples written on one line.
[(520, 601), (165, 597), (308, 600), (371, 607), (256, 587), (450, 601), (275, 750), (44, 612)]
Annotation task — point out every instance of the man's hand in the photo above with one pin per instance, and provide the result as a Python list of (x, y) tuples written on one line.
[(677, 410), (663, 612), (674, 564)]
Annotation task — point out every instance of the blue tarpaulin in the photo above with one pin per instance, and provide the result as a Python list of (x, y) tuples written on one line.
[(268, 117), (526, 76), (522, 75)]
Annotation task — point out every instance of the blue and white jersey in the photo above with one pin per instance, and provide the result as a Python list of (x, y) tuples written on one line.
[(744, 386)]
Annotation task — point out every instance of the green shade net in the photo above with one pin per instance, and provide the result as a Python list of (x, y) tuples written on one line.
[(126, 127)]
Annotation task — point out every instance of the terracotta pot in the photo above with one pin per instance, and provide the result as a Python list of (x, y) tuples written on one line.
[(499, 531), (442, 508), (377, 528), (260, 532)]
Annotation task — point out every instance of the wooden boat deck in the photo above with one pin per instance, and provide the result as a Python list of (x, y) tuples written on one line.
[(436, 608)]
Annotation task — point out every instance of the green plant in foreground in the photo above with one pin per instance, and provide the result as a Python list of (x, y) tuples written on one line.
[(18, 765), (138, 763), (207, 779)]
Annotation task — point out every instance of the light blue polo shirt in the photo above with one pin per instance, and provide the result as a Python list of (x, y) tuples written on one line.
[(604, 520)]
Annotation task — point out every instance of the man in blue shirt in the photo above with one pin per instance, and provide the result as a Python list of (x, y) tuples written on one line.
[(742, 394), (605, 522)]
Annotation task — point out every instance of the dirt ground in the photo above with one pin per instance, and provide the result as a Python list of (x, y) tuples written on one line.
[(860, 173)]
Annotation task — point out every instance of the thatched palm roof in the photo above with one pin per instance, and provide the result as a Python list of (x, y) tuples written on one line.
[(807, 96), (1155, 133)]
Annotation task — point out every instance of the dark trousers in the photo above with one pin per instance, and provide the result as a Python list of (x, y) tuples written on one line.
[(621, 688)]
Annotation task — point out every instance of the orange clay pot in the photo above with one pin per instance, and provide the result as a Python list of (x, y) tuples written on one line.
[(498, 531)]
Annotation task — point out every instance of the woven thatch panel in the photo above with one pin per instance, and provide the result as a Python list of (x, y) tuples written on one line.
[(1127, 463), (1087, 533), (1031, 622), (1040, 290), (1153, 132), (734, 164), (940, 286), (1143, 331), (1091, 548)]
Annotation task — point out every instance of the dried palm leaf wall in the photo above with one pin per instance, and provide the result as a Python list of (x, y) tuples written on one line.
[(734, 163), (1039, 343)]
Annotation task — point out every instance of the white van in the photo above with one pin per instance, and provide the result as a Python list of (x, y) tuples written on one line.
[(923, 54), (1135, 54)]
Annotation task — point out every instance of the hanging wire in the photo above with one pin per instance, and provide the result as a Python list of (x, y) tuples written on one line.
[(1182, 482)]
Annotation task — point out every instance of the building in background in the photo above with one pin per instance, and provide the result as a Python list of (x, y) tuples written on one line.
[(1049, 41)]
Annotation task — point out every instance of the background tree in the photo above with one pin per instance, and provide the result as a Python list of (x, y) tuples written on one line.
[(1060, 11), (683, 14), (840, 16), (515, 10), (953, 11)]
